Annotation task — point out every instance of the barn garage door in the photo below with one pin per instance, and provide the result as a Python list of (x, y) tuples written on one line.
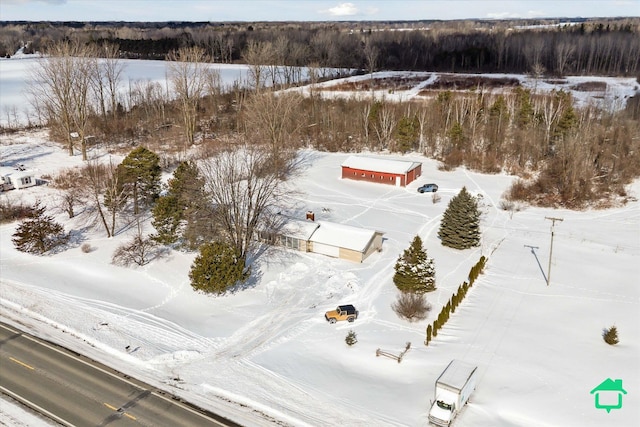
[(321, 248)]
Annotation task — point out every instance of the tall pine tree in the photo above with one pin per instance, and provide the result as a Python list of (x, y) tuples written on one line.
[(139, 173), (460, 226), (415, 271), (179, 213), (407, 133), (167, 215)]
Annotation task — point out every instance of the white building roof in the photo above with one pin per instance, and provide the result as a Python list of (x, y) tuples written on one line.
[(343, 236), (378, 164), (21, 174), (299, 229), (16, 174)]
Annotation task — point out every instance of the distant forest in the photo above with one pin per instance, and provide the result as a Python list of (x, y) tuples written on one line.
[(544, 46)]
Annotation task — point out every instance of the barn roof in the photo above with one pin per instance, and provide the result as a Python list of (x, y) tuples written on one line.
[(343, 236), (378, 164)]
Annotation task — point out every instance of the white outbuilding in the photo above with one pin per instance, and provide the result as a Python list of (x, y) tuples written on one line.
[(329, 238), (17, 180)]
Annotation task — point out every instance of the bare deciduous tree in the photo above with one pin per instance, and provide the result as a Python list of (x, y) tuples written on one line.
[(190, 77), (272, 117), (537, 71), (563, 53), (60, 89), (257, 55), (69, 181), (371, 54), (385, 125), (100, 180), (107, 78), (245, 191), (140, 250)]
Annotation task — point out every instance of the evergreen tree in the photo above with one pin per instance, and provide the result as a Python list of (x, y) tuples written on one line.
[(183, 204), (456, 134), (415, 271), (39, 233), (568, 120), (498, 119), (197, 214), (166, 219), (351, 338), (139, 173), (525, 114), (611, 335), (187, 184), (429, 333), (407, 133), (217, 268), (460, 226)]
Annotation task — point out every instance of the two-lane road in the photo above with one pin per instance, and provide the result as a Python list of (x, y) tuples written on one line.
[(76, 391)]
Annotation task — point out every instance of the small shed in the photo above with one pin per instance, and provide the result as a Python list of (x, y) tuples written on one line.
[(381, 170), (17, 180)]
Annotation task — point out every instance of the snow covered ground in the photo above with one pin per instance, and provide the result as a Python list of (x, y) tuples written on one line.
[(610, 93), (265, 356)]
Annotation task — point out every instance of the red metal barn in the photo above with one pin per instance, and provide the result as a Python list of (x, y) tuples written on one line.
[(381, 170)]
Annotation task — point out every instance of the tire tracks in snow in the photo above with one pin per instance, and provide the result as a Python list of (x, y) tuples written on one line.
[(333, 411), (127, 326)]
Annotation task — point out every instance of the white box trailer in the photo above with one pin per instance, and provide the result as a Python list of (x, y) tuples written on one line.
[(453, 388)]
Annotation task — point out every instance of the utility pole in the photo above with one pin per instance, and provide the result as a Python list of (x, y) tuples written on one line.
[(553, 223)]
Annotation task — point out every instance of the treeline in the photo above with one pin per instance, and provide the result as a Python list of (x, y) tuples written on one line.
[(594, 46), (566, 156)]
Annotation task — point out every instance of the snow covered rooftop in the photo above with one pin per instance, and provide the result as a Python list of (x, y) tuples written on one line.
[(299, 229), (14, 174), (378, 164), (344, 236)]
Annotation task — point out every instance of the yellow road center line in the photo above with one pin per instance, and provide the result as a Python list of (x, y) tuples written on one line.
[(113, 408), (21, 363)]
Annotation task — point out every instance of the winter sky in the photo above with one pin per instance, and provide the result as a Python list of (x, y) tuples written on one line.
[(304, 10)]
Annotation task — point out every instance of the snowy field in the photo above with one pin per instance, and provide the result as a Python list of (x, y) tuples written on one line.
[(16, 75), (264, 356)]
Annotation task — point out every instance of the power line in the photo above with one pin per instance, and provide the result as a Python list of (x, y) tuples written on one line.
[(553, 223)]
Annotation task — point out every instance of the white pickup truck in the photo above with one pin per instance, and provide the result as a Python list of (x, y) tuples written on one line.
[(453, 388)]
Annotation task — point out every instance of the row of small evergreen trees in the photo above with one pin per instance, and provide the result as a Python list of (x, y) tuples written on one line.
[(456, 299)]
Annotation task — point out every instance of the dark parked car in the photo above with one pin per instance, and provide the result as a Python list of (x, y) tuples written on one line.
[(428, 188)]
